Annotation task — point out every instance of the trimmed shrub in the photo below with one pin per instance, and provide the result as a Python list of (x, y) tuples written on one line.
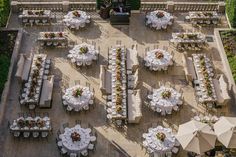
[(4, 12)]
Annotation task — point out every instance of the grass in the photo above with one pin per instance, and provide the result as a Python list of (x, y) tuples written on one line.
[(229, 42)]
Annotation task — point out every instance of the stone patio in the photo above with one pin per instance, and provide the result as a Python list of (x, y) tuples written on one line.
[(105, 36)]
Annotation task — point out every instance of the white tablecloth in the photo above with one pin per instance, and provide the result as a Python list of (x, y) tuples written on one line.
[(159, 23), (78, 103), (178, 39), (79, 58), (36, 93), (112, 107), (46, 13), (152, 143), (76, 146), (164, 105), (154, 63), (202, 89), (76, 22)]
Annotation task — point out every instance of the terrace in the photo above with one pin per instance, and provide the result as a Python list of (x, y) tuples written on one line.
[(112, 141)]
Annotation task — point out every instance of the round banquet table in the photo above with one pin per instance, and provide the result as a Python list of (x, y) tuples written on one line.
[(158, 23), (155, 63), (153, 144), (76, 22), (76, 146), (164, 105), (79, 58), (78, 103)]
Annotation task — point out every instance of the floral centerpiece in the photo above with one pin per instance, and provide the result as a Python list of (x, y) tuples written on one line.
[(76, 13), (30, 12), (75, 136), (160, 14), (21, 123), (118, 108), (78, 92), (40, 123), (207, 82), (83, 50), (209, 14), (161, 136), (60, 34), (166, 94), (159, 55), (52, 35), (46, 35)]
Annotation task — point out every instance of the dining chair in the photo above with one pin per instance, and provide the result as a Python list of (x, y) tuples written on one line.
[(65, 125), (77, 121), (84, 153), (73, 155)]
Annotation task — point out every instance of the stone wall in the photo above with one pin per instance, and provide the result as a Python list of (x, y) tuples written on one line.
[(170, 6), (226, 66), (14, 58)]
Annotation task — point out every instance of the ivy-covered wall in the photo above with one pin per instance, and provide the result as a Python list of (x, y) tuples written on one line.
[(231, 11), (4, 12)]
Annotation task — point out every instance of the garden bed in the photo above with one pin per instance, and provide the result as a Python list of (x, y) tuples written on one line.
[(7, 42), (229, 42), (4, 12)]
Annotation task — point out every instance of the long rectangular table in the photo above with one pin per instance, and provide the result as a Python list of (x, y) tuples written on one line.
[(36, 16), (204, 72), (204, 17), (119, 82), (32, 90), (53, 39)]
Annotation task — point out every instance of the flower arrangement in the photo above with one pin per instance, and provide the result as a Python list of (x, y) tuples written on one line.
[(187, 36), (83, 50), (46, 35), (78, 92), (159, 55), (206, 81), (52, 35), (166, 94), (30, 12), (118, 108), (160, 14), (30, 123), (75, 136), (76, 13), (209, 14), (60, 34), (161, 136)]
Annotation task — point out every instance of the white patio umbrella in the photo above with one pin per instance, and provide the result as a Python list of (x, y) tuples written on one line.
[(196, 137), (225, 129)]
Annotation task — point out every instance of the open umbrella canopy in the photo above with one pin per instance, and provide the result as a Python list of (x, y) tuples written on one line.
[(225, 129), (196, 137)]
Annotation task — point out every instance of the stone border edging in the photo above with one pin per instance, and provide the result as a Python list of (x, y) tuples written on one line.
[(14, 57), (228, 72)]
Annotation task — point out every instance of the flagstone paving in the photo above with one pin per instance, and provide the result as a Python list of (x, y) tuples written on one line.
[(105, 35)]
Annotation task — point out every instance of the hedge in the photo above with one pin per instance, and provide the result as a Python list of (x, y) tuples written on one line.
[(4, 12), (231, 11)]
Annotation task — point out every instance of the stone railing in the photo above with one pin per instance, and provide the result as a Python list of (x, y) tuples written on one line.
[(171, 6), (226, 66), (54, 6)]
